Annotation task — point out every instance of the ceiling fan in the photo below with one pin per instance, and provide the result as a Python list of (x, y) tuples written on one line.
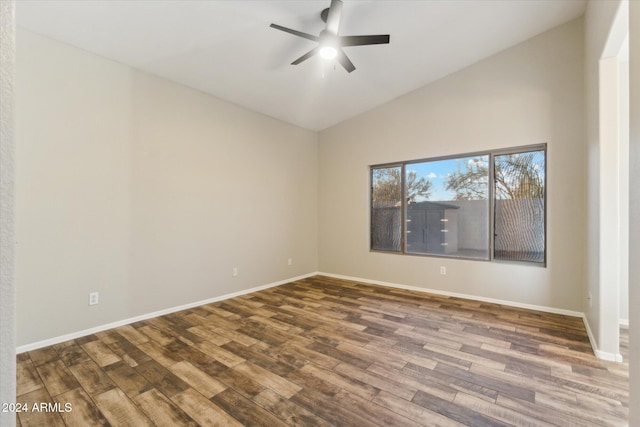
[(330, 44)]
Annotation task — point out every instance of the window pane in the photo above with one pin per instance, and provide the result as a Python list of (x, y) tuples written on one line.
[(386, 208), (448, 207), (519, 206)]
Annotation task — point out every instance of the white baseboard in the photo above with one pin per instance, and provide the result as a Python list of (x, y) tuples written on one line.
[(85, 332), (51, 341), (457, 295), (604, 355), (598, 353)]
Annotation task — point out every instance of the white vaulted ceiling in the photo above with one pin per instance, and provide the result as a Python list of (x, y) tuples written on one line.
[(226, 48)]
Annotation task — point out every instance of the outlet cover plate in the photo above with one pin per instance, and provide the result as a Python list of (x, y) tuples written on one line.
[(94, 298)]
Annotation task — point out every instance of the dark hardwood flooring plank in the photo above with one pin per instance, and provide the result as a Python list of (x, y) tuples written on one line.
[(43, 355), (341, 381), (377, 381), (314, 382), (544, 413), (161, 411), (332, 412), (119, 410), (93, 379), (161, 337), (372, 412), (234, 335), (131, 354), (100, 353), (161, 378), (445, 382), (280, 385), (372, 356), (209, 335), (83, 412), (340, 355), (288, 411), (302, 355), (245, 410), (27, 379), (413, 411), (203, 411), (71, 353), (223, 356), (267, 358), (56, 377), (608, 410), (500, 413), (458, 413), (132, 335), (199, 380), (243, 384), (34, 416), (466, 357), (517, 391), (323, 351), (161, 354), (86, 339), (127, 379)]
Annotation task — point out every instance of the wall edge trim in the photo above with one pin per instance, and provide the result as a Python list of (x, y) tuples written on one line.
[(598, 353), (459, 295), (604, 355), (127, 321), (55, 340)]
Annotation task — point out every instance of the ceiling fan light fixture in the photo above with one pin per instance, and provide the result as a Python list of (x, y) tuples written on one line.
[(329, 43), (328, 52)]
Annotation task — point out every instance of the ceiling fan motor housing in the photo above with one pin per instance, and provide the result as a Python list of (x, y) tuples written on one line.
[(330, 44)]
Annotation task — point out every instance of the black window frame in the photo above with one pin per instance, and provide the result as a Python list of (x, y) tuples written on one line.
[(491, 215)]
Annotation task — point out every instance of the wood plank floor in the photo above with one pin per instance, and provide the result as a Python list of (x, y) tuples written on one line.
[(322, 352)]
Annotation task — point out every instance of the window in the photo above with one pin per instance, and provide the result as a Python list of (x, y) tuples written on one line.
[(519, 206), (386, 208), (483, 206), (451, 217)]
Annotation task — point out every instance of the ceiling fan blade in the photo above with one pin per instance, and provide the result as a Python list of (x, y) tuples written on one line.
[(306, 56), (333, 20), (364, 40), (295, 32), (344, 61)]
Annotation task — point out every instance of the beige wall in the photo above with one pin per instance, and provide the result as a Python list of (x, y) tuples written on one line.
[(148, 192), (623, 174), (602, 43), (634, 214), (7, 212), (531, 93)]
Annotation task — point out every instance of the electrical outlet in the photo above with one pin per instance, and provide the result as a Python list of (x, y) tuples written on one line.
[(94, 298), (234, 272), (290, 261), (443, 270)]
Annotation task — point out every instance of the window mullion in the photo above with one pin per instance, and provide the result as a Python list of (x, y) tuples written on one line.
[(492, 207), (403, 212)]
